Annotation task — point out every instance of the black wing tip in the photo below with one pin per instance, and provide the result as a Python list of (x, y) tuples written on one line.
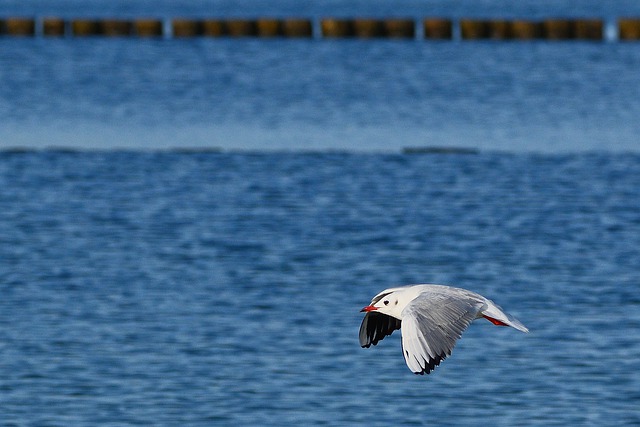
[(432, 365), (376, 326), (370, 343)]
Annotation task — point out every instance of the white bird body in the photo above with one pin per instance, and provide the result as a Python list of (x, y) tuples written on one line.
[(432, 318)]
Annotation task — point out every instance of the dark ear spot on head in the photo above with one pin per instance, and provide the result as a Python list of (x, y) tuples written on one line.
[(396, 302)]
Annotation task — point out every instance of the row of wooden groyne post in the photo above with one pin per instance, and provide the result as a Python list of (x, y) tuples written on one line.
[(427, 28)]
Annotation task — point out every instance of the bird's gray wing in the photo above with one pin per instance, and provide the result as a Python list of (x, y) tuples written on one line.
[(376, 326), (433, 322)]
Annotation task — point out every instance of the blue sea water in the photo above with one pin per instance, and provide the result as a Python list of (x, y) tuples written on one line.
[(225, 288), (147, 281), (316, 8), (318, 94)]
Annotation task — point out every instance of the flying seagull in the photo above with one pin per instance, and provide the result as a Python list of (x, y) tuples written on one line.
[(432, 318)]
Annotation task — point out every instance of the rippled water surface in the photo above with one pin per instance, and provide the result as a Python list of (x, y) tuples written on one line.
[(462, 8), (213, 289), (319, 94), (146, 281)]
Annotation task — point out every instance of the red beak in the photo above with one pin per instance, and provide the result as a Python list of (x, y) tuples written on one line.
[(369, 308)]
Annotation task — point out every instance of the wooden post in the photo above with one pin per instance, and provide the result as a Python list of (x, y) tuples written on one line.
[(269, 27), (558, 29), (589, 29), (400, 28), (332, 27), (115, 27), (214, 28), (53, 27), (186, 28), (437, 28), (148, 27), (629, 29), (19, 27), (526, 30), (241, 28), (294, 27), (85, 27), (472, 29)]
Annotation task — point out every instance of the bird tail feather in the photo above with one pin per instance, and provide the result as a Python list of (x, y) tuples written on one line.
[(497, 316)]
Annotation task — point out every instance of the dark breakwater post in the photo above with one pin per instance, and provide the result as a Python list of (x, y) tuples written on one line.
[(332, 28), (115, 28), (214, 28), (297, 27), (241, 28), (186, 28), (499, 30), (399, 28), (629, 29), (437, 28), (526, 30), (53, 27), (557, 29), (21, 27), (148, 27), (589, 29), (269, 27), (367, 28), (489, 29), (473, 29), (85, 27)]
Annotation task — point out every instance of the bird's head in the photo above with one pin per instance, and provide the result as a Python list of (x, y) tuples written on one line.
[(389, 302)]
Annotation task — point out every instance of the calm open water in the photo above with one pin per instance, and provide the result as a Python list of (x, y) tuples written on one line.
[(224, 289), (354, 95)]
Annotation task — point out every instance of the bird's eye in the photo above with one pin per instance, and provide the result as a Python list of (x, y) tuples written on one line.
[(386, 302)]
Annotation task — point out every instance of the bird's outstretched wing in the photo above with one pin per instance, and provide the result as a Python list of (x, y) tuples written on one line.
[(433, 322), (376, 326)]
